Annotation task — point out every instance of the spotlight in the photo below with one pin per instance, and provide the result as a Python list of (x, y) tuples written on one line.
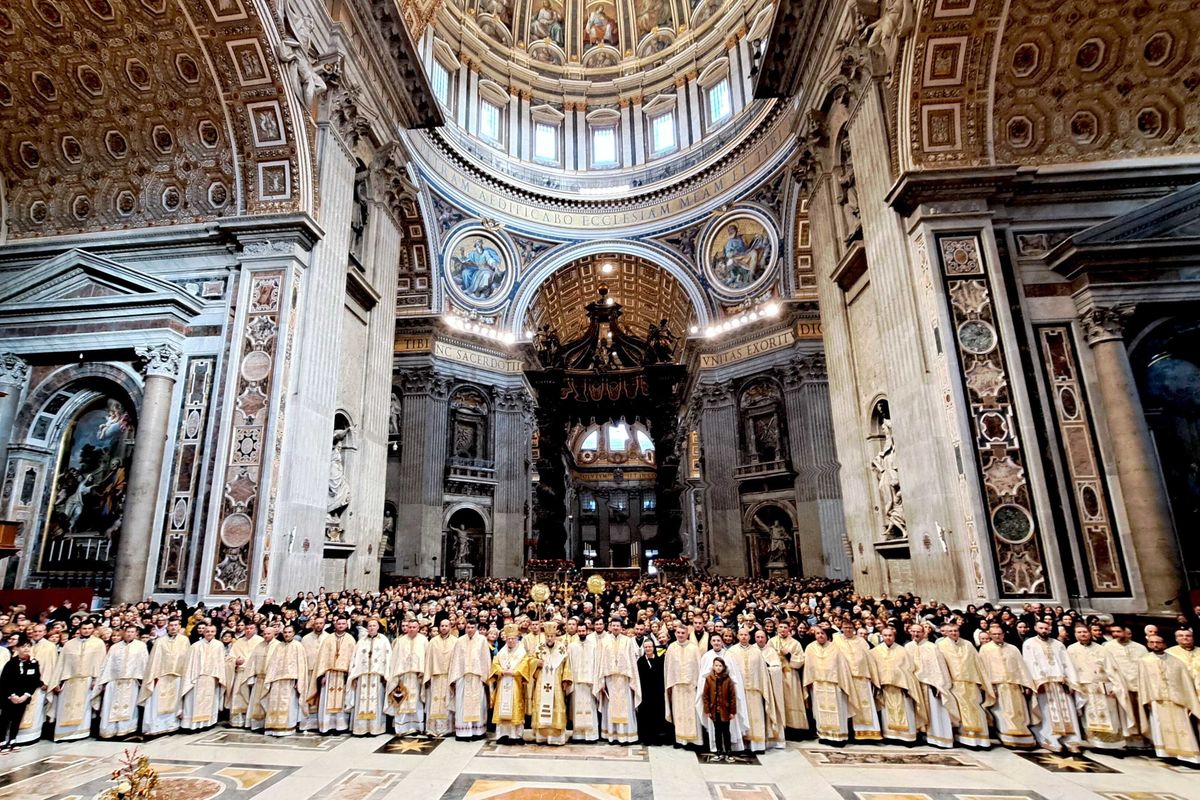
[(693, 330), (606, 269), (771, 309)]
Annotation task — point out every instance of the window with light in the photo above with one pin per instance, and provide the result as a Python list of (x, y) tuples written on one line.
[(604, 147), (489, 121), (720, 103), (662, 133), (545, 142), (441, 83)]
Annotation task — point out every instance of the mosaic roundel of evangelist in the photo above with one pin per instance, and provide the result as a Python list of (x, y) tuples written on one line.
[(739, 253), (479, 269)]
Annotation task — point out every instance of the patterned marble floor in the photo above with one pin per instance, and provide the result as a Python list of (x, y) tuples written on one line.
[(237, 765)]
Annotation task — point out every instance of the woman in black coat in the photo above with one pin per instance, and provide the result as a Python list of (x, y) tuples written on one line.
[(651, 714)]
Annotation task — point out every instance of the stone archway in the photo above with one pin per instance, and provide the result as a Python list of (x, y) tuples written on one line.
[(466, 542)]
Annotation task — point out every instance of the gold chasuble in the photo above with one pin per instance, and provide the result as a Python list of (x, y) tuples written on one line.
[(202, 679), (408, 670), (285, 681), (827, 678), (1005, 669), (437, 674), (1107, 714), (507, 682), (791, 660), (549, 678), (1169, 695), (971, 690), (897, 679), (78, 666), (334, 657)]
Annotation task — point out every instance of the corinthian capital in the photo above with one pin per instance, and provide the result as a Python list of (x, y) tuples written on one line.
[(1105, 323), (160, 359), (13, 369)]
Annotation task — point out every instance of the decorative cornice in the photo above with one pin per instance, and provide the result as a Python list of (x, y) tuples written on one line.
[(162, 360), (512, 400), (426, 381), (389, 183), (419, 108), (716, 394), (14, 370), (1105, 323)]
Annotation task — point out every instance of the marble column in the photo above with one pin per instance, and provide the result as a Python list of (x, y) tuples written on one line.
[(14, 374), (1145, 497), (162, 363), (718, 438), (381, 242), (513, 426), (422, 473)]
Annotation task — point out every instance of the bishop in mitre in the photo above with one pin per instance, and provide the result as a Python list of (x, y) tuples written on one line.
[(470, 666), (933, 677), (405, 686), (74, 678), (120, 681), (328, 679), (507, 682), (239, 671), (1006, 672), (618, 685), (830, 688), (1169, 695), (681, 681), (439, 710), (45, 653), (202, 688), (162, 692), (969, 688), (285, 685), (901, 699), (550, 681), (369, 673)]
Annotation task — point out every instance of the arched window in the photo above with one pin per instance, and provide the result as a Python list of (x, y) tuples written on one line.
[(618, 436), (591, 441)]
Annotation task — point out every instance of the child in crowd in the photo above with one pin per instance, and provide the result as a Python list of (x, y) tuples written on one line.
[(720, 706)]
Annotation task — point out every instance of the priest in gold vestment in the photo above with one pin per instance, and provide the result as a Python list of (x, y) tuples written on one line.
[(548, 673), (831, 690), (470, 666), (681, 673), (161, 693), (1185, 650), (367, 682), (901, 699), (1127, 654), (776, 730), (862, 681), (791, 660), (285, 685), (1106, 712), (439, 709), (969, 687), (312, 643), (929, 668), (1005, 670), (201, 689), (116, 692), (1053, 674), (756, 683), (74, 677), (256, 687), (585, 710), (507, 682), (328, 678), (406, 684), (238, 672), (1168, 692), (618, 685)]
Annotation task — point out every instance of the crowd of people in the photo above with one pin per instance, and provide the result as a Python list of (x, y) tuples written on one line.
[(722, 664)]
